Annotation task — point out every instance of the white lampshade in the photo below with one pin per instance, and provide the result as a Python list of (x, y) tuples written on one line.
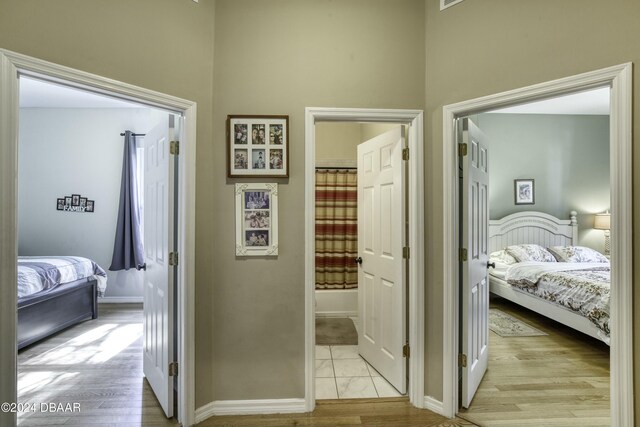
[(602, 221)]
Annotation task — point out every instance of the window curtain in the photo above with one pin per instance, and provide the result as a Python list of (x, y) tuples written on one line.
[(336, 229), (128, 251)]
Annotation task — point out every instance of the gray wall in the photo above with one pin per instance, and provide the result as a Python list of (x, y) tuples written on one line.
[(68, 150), (567, 155)]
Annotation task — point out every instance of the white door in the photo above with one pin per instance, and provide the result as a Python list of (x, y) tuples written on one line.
[(158, 278), (381, 275), (475, 284)]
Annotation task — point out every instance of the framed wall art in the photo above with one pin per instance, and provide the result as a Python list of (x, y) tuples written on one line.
[(524, 191), (257, 219), (257, 146)]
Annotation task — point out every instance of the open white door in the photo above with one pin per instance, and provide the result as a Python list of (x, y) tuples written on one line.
[(381, 237), (158, 278), (475, 284)]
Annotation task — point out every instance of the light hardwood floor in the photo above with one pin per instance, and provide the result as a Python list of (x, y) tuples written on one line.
[(350, 412), (97, 364), (561, 379)]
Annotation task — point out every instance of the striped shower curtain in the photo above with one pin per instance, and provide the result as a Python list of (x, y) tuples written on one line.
[(336, 229)]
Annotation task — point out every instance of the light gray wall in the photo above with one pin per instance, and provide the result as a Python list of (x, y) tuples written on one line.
[(75, 151), (567, 155)]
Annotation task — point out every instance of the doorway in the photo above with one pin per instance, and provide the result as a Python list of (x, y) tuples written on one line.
[(618, 78), (556, 153), (413, 119), (360, 271), (16, 65)]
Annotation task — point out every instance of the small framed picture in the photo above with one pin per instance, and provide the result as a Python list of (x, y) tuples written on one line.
[(75, 200), (90, 206), (524, 191), (83, 202), (240, 134), (257, 146), (240, 159), (67, 201), (257, 219), (60, 204)]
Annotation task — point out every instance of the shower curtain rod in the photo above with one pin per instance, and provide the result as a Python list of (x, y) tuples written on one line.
[(135, 134), (336, 167)]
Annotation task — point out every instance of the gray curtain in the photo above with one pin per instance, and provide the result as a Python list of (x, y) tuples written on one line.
[(128, 251)]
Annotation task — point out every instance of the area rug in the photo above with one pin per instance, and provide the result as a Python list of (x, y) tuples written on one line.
[(506, 325), (335, 331)]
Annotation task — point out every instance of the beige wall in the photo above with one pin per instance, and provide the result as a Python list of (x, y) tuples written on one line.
[(278, 57), (479, 48), (339, 141), (163, 45)]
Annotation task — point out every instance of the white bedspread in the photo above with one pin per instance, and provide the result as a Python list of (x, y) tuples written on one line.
[(37, 274)]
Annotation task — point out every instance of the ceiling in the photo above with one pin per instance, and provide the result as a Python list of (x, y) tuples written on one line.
[(592, 102), (39, 94)]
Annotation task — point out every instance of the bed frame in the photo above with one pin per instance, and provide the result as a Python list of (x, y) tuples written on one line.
[(545, 230), (44, 314)]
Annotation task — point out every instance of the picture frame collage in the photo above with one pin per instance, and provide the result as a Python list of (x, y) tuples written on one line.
[(256, 219), (75, 203), (258, 146)]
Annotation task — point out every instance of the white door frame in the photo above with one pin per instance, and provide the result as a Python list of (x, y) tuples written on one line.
[(619, 79), (414, 118), (13, 65)]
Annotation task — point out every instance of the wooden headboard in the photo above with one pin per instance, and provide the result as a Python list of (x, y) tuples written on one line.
[(532, 227)]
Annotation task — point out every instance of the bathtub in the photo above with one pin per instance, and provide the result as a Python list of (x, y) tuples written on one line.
[(337, 303)]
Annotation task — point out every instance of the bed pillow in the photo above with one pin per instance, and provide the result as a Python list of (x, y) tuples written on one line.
[(576, 254), (502, 257), (530, 252)]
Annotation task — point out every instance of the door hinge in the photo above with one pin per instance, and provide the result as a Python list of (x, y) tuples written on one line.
[(462, 360), (462, 149), (173, 258), (406, 351), (406, 253), (173, 369), (405, 154), (462, 254), (174, 147)]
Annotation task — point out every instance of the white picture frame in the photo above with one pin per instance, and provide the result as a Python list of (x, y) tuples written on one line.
[(256, 219)]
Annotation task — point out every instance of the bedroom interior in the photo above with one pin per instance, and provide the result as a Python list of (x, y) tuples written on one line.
[(71, 144), (341, 372), (571, 141)]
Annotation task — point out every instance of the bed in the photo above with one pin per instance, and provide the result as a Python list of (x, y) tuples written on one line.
[(55, 293), (575, 293)]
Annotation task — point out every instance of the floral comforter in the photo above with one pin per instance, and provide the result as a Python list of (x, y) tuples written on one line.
[(581, 287)]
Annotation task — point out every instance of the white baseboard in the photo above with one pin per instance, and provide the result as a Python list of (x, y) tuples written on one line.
[(250, 407), (120, 300), (336, 314), (434, 405)]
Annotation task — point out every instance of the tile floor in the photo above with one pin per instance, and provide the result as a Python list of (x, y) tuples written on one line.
[(342, 374)]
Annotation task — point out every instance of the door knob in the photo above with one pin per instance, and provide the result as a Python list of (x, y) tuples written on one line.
[(491, 264), (358, 260)]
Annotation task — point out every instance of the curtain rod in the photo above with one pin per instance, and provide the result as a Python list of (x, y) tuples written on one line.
[(337, 167), (135, 134)]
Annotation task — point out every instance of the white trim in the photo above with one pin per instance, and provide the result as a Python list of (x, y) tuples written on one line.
[(416, 237), (11, 66), (619, 78), (249, 407), (433, 405), (8, 234), (120, 300)]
